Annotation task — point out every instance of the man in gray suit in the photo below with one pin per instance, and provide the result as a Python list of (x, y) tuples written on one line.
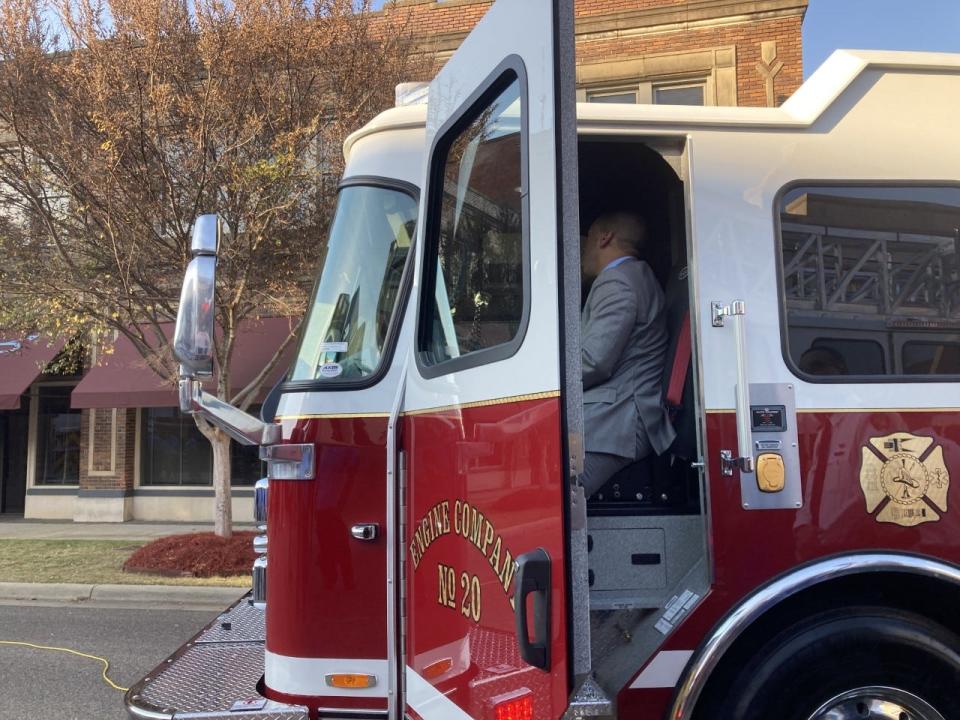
[(625, 341)]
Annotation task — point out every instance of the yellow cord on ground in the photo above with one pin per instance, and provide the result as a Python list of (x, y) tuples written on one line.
[(106, 663)]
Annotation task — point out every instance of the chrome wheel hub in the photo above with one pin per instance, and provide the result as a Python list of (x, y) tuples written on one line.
[(876, 703)]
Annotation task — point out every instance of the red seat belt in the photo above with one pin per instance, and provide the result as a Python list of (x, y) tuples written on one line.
[(681, 363)]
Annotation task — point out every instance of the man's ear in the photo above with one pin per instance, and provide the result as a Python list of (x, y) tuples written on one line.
[(606, 239)]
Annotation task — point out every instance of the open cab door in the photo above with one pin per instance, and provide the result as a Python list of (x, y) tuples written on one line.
[(485, 444)]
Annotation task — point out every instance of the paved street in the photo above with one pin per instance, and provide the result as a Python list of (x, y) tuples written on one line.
[(36, 684)]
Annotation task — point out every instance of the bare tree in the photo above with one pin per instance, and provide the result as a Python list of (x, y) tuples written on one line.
[(122, 120)]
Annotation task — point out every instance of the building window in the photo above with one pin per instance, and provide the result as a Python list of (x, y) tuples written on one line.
[(174, 452), (680, 94), (685, 92), (701, 76), (870, 271), (612, 96), (476, 237), (58, 437)]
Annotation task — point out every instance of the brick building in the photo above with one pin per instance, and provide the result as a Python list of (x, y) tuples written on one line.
[(111, 445), (704, 52)]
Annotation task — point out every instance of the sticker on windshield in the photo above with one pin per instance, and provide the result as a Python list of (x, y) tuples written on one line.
[(331, 370), (334, 347)]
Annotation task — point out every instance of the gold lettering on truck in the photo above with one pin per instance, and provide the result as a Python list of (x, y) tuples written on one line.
[(904, 479), (470, 525)]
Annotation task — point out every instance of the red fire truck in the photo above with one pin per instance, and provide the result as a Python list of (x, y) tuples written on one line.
[(429, 550)]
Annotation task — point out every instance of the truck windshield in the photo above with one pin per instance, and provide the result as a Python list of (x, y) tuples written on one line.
[(360, 277)]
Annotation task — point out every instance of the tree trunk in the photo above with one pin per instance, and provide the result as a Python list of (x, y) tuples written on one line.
[(222, 507)]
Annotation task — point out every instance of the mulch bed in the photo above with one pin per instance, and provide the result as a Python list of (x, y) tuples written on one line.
[(195, 555)]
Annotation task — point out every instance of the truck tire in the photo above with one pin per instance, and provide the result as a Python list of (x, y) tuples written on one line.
[(856, 663)]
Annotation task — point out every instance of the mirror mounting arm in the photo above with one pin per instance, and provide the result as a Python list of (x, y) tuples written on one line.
[(241, 426)]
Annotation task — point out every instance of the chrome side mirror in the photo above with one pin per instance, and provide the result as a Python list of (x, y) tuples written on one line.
[(193, 337), (206, 235), (193, 343)]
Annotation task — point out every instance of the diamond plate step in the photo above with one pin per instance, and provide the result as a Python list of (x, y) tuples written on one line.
[(240, 623), (220, 666)]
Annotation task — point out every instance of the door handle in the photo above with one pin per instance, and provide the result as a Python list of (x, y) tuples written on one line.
[(365, 531), (533, 576)]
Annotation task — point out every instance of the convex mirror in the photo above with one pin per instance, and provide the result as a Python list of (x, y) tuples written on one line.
[(193, 338)]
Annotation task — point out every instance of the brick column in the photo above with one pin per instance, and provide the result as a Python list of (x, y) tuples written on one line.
[(107, 448)]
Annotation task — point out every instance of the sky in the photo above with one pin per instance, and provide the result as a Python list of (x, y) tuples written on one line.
[(932, 25)]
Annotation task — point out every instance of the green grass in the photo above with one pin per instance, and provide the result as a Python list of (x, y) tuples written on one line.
[(95, 562)]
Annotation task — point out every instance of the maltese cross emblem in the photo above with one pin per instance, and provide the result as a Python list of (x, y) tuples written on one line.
[(904, 479)]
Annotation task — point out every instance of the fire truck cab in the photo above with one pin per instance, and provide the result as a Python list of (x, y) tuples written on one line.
[(794, 554)]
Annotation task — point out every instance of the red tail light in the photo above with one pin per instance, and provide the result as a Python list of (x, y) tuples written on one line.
[(515, 706)]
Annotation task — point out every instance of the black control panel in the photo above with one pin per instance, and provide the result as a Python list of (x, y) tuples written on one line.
[(768, 418)]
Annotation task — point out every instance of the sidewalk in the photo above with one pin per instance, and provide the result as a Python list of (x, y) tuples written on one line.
[(121, 596), (191, 597), (19, 529)]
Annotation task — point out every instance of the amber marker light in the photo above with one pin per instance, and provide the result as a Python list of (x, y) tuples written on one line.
[(438, 668), (351, 681)]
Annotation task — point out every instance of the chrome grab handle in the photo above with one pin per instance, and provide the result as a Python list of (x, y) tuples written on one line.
[(744, 460), (260, 490), (259, 597), (744, 426)]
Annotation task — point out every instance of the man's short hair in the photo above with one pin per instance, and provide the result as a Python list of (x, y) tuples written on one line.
[(822, 360), (629, 228)]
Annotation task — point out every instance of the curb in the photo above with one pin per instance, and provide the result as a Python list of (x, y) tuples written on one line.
[(180, 596)]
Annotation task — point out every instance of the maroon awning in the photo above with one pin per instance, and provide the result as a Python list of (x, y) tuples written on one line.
[(124, 380), (20, 363)]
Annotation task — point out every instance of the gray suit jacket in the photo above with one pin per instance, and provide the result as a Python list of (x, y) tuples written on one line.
[(624, 350)]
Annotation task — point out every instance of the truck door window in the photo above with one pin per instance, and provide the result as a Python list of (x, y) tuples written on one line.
[(843, 356), (931, 358), (872, 266), (474, 256), (353, 306)]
